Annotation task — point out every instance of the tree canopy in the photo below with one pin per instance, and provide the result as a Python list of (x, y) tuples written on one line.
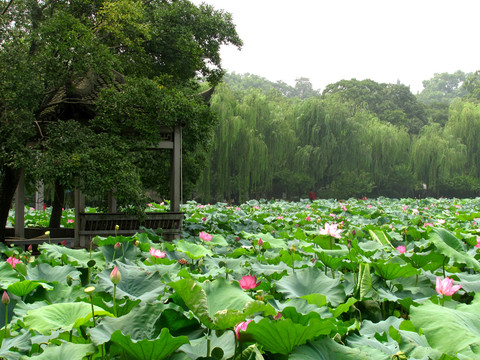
[(86, 85)]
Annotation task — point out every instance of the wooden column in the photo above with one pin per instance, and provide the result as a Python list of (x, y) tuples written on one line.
[(112, 202), (39, 196), (79, 203), (176, 172), (20, 207)]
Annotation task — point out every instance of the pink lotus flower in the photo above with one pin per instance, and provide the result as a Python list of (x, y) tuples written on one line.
[(237, 238), (157, 253), (478, 242), (331, 230), (5, 298), (70, 221), (149, 205), (441, 221), (405, 208), (238, 208), (446, 287), (205, 236), (280, 217), (401, 249), (344, 208), (248, 282), (115, 276), (427, 224), (256, 207), (13, 261), (308, 218), (369, 206), (241, 326)]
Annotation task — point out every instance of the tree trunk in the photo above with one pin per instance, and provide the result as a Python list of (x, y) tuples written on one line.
[(9, 182), (58, 203)]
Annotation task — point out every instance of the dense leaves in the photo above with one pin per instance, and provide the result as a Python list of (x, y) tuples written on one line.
[(357, 294)]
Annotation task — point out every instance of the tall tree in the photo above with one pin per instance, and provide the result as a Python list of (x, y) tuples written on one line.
[(71, 49)]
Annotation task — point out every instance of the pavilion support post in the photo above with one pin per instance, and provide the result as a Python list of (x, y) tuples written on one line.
[(20, 207), (112, 202), (176, 172), (39, 196), (79, 203)]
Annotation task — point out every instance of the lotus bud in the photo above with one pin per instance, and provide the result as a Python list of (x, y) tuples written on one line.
[(260, 242), (115, 276), (5, 298), (117, 227), (47, 233), (117, 246), (30, 248)]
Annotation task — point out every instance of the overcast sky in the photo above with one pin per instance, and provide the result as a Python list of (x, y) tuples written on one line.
[(330, 40)]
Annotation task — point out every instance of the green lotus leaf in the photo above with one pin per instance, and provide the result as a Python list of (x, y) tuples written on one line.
[(259, 306), (270, 242), (218, 240), (127, 247), (344, 307), (63, 316), (327, 260), (193, 251), (380, 237), (12, 348), (448, 245), (8, 275), (142, 322), (25, 287), (227, 319), (195, 298), (77, 257), (311, 281), (326, 348), (198, 347), (137, 283), (449, 330), (48, 273), (390, 271), (64, 351), (147, 349), (282, 336), (222, 295)]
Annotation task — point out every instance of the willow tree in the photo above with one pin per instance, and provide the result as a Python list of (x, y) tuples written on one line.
[(389, 158), (332, 139), (464, 125), (436, 157)]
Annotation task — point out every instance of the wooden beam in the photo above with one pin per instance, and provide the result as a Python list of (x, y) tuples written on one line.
[(20, 207)]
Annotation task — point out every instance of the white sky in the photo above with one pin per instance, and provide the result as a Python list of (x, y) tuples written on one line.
[(330, 40)]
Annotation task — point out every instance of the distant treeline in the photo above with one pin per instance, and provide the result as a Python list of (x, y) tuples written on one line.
[(356, 138)]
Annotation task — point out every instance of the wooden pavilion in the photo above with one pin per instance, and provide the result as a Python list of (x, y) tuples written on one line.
[(61, 105)]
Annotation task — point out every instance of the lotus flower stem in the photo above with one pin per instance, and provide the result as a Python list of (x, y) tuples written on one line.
[(208, 342), (6, 321), (114, 295)]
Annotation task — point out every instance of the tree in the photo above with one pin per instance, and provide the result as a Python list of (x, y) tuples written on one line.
[(393, 103), (55, 51), (443, 88)]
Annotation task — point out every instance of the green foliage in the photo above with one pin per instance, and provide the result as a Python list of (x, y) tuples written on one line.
[(443, 88)]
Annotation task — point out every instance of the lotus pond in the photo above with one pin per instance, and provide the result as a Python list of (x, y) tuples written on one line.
[(360, 279)]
